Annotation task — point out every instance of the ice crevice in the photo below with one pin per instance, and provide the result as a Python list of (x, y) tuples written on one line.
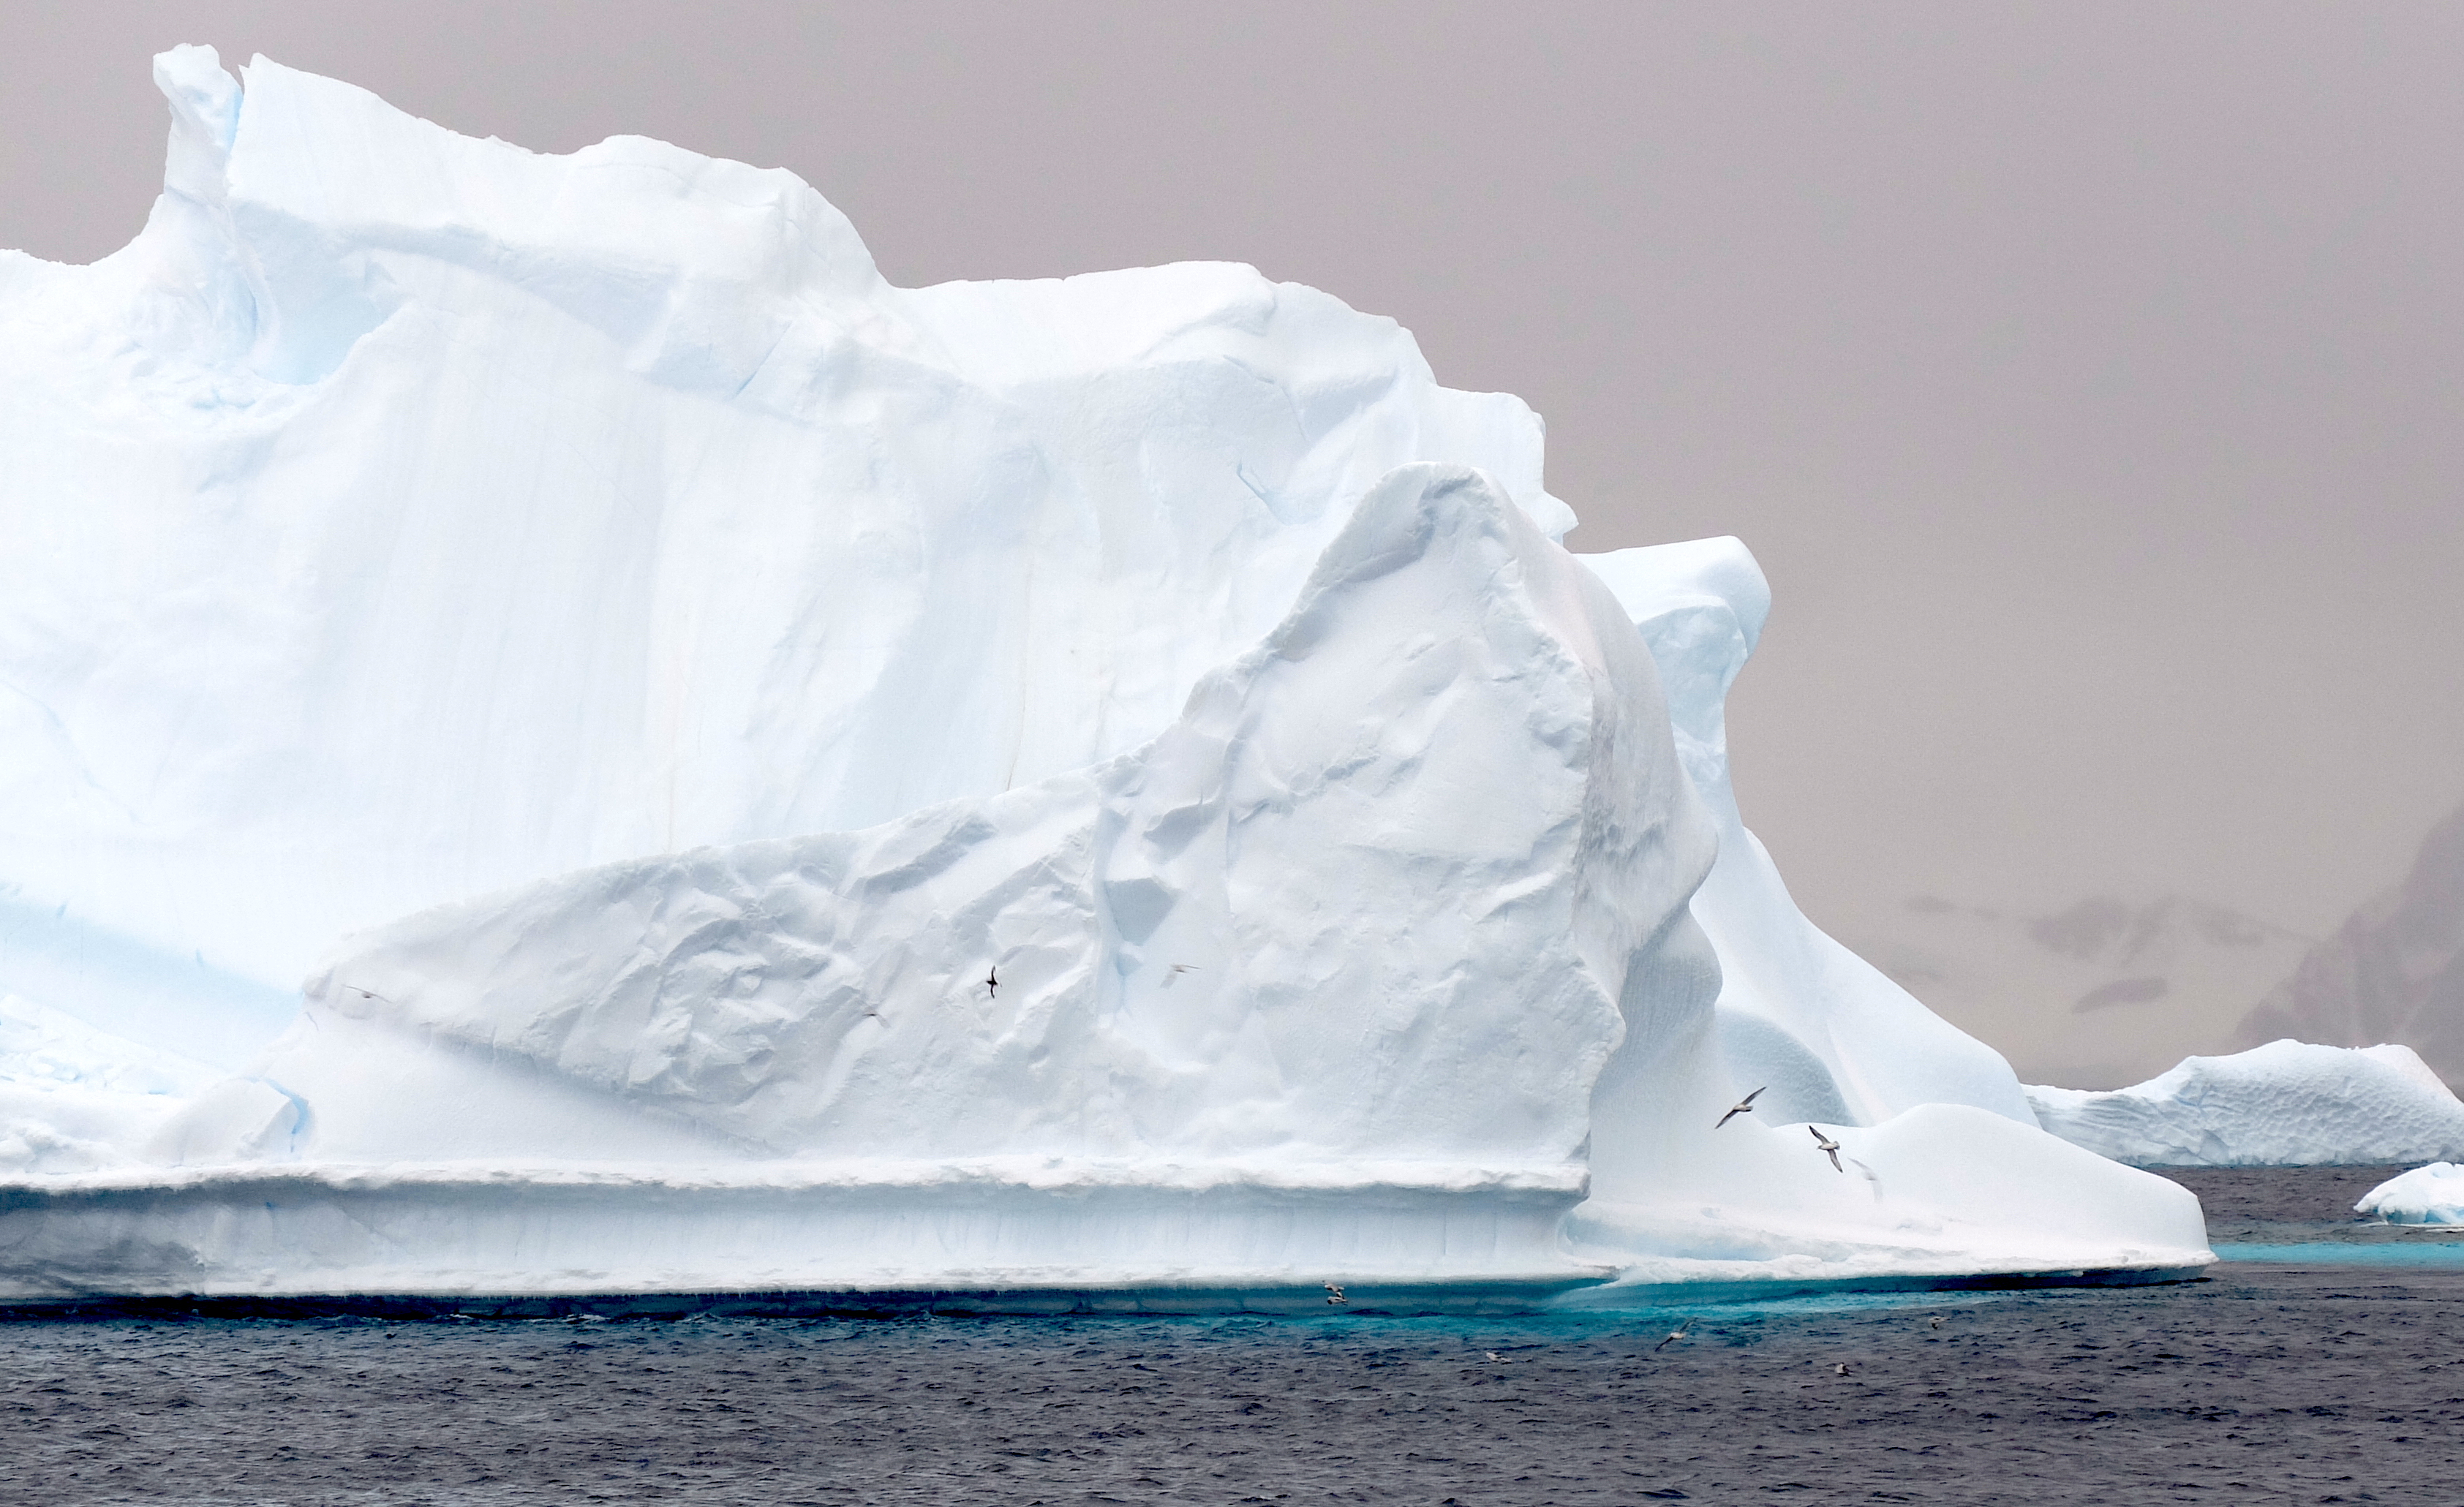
[(648, 673)]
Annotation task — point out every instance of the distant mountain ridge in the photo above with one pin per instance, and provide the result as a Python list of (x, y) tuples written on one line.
[(2102, 993), (2393, 972)]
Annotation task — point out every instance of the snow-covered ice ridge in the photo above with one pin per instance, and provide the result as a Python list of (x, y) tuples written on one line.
[(653, 676), (2287, 1103)]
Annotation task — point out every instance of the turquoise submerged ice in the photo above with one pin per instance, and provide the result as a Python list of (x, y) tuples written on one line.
[(775, 779)]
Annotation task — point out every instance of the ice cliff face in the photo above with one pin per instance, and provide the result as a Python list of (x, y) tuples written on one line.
[(1289, 926), (785, 780), (446, 516)]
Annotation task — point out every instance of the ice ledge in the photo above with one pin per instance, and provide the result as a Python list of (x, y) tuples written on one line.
[(1028, 1173), (1006, 1234), (233, 1230)]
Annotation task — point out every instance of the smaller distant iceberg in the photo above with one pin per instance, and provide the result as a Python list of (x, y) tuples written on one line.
[(2425, 1196), (2287, 1103)]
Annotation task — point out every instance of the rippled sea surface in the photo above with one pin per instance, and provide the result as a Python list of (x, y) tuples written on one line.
[(2299, 1378)]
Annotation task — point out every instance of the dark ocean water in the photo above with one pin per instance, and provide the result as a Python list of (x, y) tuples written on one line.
[(2314, 1379)]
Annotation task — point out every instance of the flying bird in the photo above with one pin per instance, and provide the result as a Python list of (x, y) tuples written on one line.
[(1828, 1147), (1489, 1356), (1937, 1321), (992, 981), (1178, 968), (1333, 1293), (1745, 1106), (1841, 1370), (1674, 1335)]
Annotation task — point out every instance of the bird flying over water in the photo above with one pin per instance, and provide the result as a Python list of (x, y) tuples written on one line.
[(1745, 1106), (1828, 1147), (1333, 1294), (1674, 1335)]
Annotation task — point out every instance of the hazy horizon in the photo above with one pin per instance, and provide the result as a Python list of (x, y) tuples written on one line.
[(2083, 376)]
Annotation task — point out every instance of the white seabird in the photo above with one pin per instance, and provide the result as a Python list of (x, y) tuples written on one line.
[(1828, 1147), (1745, 1106)]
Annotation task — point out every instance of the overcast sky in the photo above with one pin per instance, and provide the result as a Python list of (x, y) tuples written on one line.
[(2086, 377)]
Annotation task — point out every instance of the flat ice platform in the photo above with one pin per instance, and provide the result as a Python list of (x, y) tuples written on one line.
[(409, 1240), (458, 1229)]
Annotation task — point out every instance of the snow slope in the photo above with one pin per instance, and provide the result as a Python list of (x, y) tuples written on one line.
[(656, 677), (1838, 1041), (2287, 1103)]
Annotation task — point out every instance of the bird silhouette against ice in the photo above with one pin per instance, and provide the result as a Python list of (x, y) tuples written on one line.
[(1745, 1106), (1828, 1147)]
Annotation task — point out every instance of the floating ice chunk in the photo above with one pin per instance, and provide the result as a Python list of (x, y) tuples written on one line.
[(2287, 1103), (2432, 1195)]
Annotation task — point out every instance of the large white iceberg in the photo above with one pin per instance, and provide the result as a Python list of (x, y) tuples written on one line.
[(2287, 1103), (778, 781)]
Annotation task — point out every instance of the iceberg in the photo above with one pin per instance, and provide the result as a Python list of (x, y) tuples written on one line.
[(2287, 1103), (2425, 1196), (1107, 791)]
